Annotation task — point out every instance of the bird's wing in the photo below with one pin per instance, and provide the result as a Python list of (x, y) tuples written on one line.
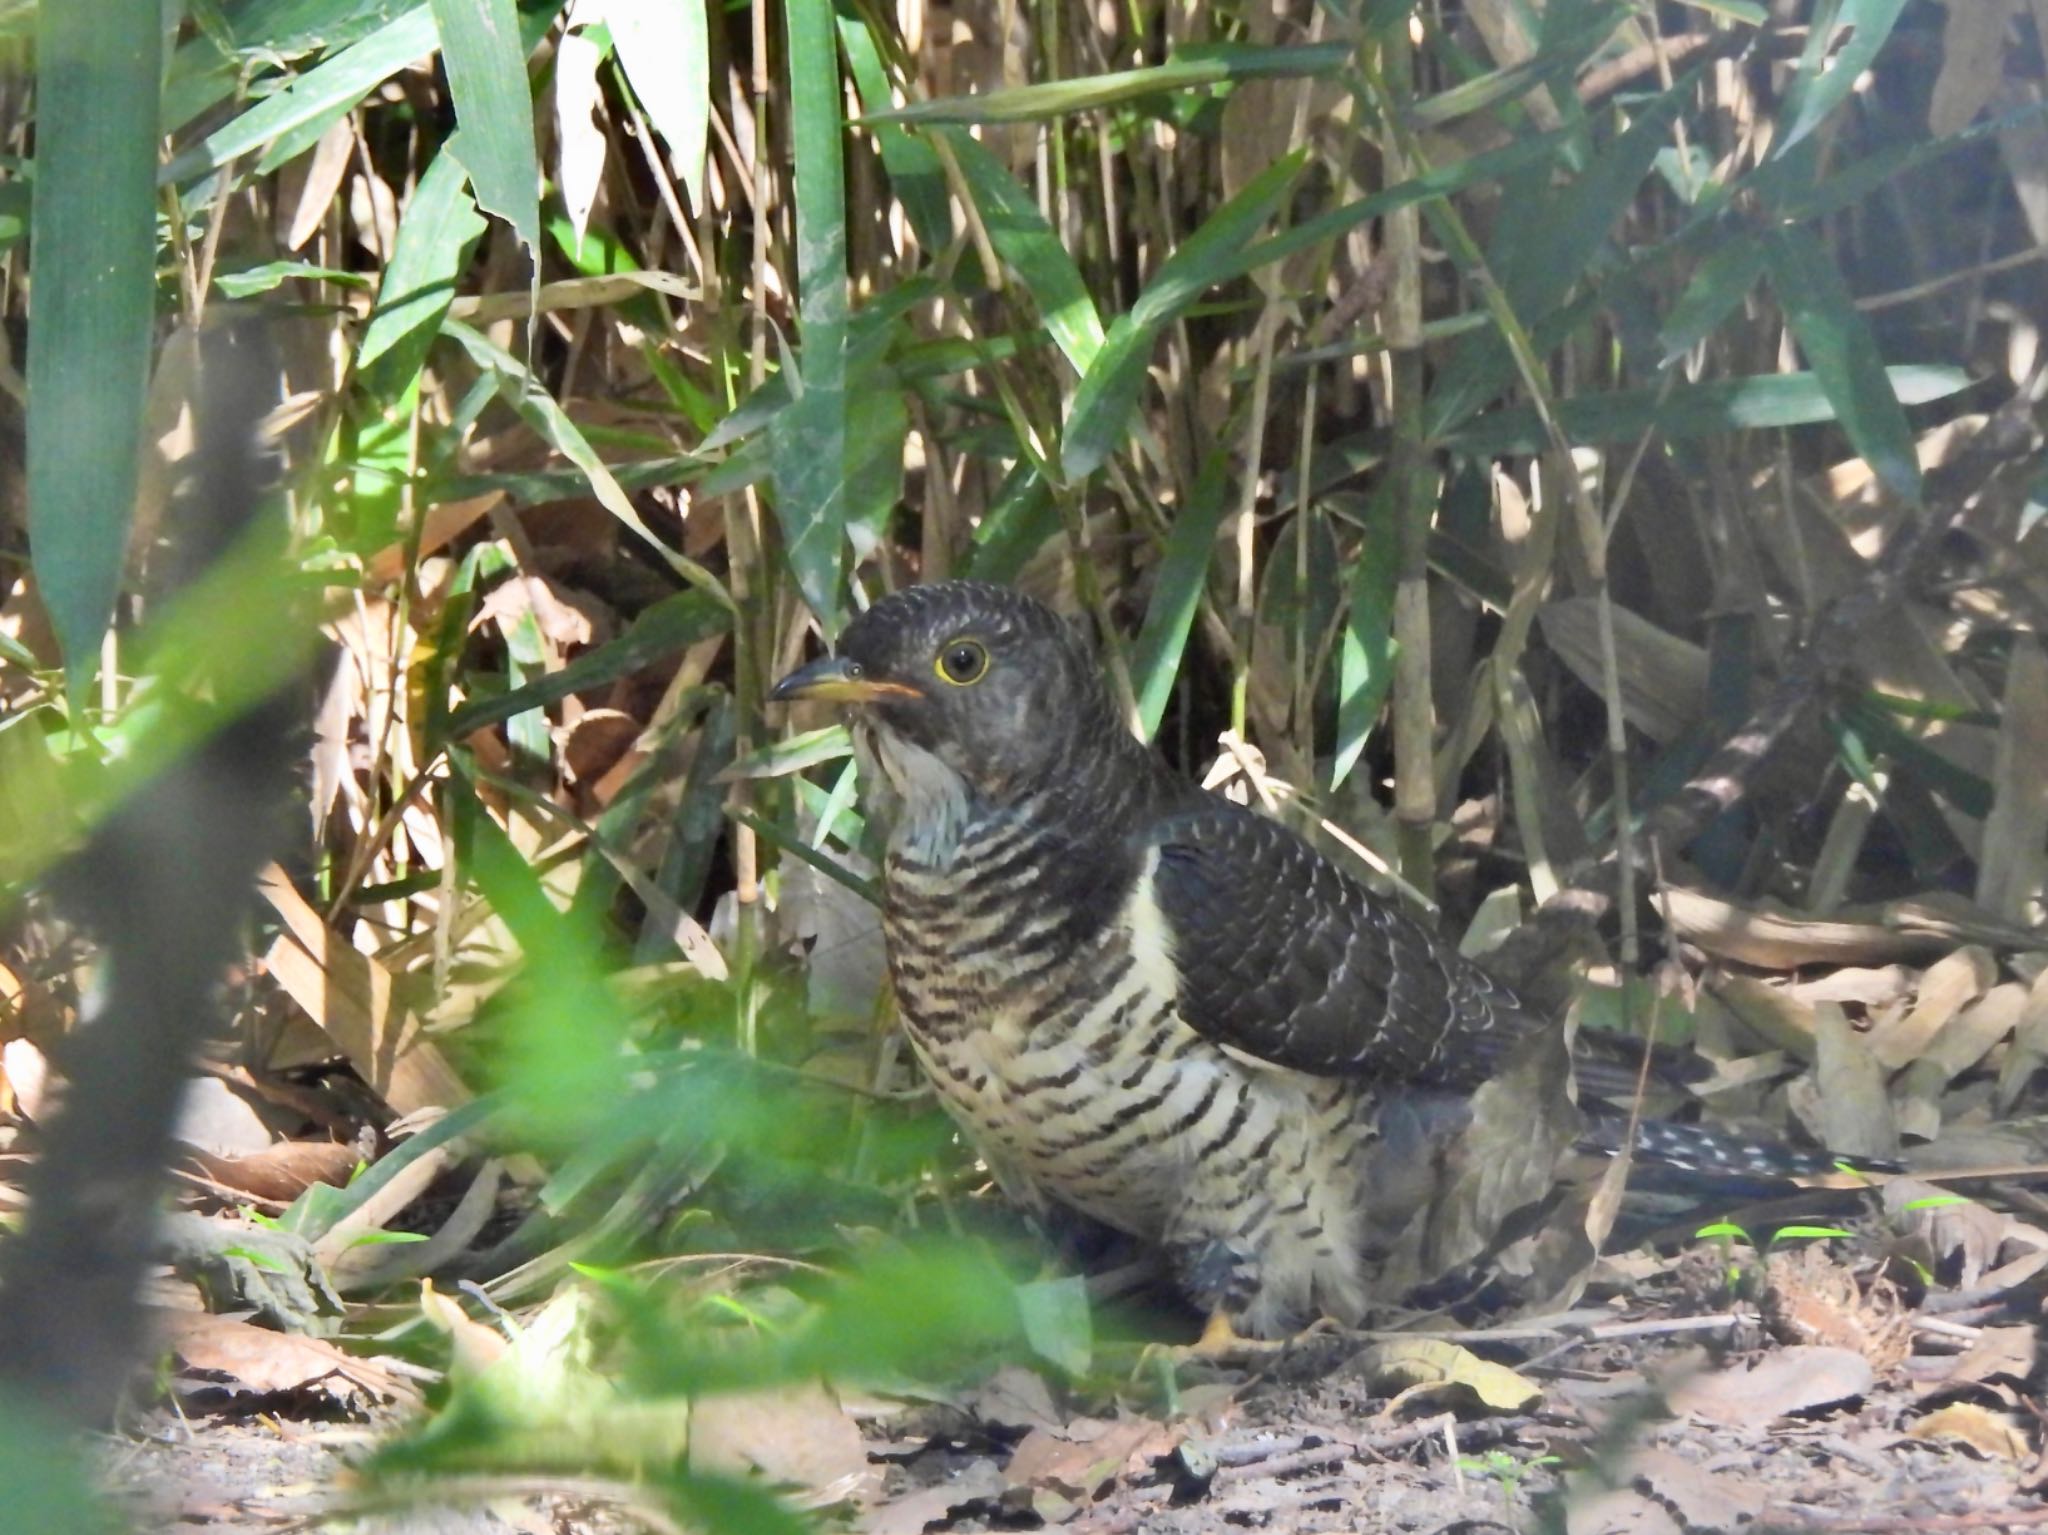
[(1282, 956)]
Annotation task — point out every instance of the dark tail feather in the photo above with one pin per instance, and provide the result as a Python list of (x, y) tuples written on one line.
[(1718, 1153), (1607, 1065)]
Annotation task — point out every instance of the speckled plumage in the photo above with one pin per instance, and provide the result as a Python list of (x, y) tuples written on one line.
[(1150, 1004)]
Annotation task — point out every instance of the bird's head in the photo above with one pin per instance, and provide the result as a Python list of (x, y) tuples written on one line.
[(962, 691)]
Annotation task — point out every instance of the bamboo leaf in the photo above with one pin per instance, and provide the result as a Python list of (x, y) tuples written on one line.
[(913, 166), (808, 438), (672, 624), (1537, 266), (1365, 657), (1691, 410), (1026, 241), (1839, 345), (1189, 70), (1183, 568), (485, 58), (1109, 390), (91, 306), (664, 46), (316, 96), (1826, 74), (434, 238), (1721, 283)]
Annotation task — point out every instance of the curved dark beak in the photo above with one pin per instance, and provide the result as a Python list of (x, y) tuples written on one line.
[(836, 680)]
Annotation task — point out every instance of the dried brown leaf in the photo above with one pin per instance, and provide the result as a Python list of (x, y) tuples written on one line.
[(258, 1359), (1082, 1460), (797, 1436), (1781, 940), (1703, 1500), (281, 1172), (2008, 1353), (1990, 1433), (1790, 1380), (1774, 1015), (1811, 1298), (350, 996), (1948, 1234), (2029, 1049), (1405, 1364), (1855, 1110), (1951, 983), (1591, 1507), (1663, 678)]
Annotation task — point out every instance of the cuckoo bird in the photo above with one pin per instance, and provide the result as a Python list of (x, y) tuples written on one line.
[(1150, 1004)]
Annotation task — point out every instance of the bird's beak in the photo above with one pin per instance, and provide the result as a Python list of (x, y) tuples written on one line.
[(836, 680)]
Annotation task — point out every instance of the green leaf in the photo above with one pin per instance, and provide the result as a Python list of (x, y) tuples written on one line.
[(1719, 285), (1827, 74), (913, 165), (809, 438), (49, 1491), (665, 48), (435, 235), (92, 306), (1559, 56), (1189, 70), (1365, 657), (289, 28), (545, 414), (1745, 11), (1109, 391), (1723, 1229), (485, 59), (1538, 262), (319, 94), (1177, 591), (672, 624), (793, 754), (1026, 241), (1690, 410), (1839, 345), (268, 276), (1811, 1233), (1057, 1324), (322, 1206)]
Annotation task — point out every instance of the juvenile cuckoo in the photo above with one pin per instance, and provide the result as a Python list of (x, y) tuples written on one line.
[(1148, 1003)]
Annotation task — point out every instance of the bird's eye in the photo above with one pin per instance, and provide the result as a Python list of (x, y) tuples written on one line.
[(962, 662)]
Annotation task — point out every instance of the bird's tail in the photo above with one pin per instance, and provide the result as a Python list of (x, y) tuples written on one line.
[(1713, 1152)]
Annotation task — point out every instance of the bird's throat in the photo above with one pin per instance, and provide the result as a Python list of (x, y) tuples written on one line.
[(926, 801)]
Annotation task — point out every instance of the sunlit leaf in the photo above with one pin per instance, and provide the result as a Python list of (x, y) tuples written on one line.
[(486, 63)]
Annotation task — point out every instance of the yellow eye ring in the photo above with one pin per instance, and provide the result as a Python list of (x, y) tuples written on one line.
[(961, 662)]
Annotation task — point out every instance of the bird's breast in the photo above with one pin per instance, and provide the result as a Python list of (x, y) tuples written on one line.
[(1060, 1046)]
